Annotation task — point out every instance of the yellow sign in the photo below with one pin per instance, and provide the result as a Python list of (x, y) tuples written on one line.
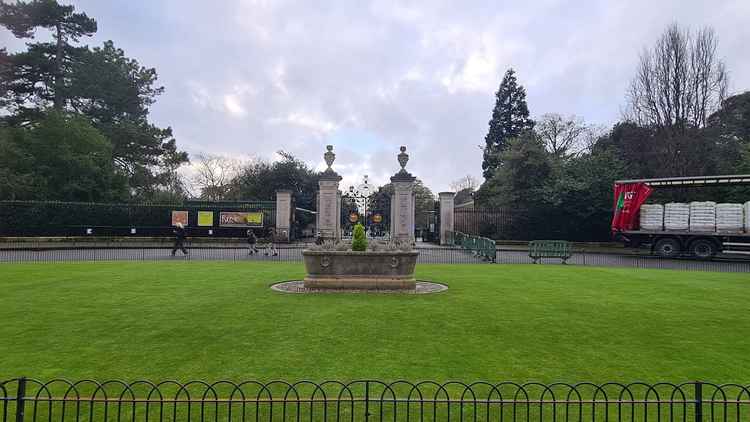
[(254, 219), (205, 218)]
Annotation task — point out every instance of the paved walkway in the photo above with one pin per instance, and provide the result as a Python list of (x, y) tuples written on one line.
[(428, 254)]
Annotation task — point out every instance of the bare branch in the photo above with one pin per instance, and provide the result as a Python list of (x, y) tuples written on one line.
[(679, 82), (214, 174), (562, 136), (465, 182)]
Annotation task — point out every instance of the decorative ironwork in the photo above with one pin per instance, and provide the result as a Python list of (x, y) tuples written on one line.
[(371, 209), (29, 400)]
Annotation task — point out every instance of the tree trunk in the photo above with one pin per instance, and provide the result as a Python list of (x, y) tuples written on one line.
[(59, 81)]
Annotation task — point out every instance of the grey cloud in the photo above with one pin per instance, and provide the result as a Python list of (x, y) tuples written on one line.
[(253, 77)]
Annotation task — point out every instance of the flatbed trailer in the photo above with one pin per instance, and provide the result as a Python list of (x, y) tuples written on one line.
[(630, 195)]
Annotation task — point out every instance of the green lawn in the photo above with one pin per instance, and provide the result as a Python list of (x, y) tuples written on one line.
[(188, 320)]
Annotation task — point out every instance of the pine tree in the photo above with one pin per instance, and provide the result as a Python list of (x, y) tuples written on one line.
[(102, 84), (510, 119), (24, 18)]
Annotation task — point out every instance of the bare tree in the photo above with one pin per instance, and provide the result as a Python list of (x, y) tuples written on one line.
[(679, 82), (591, 137), (563, 136), (465, 182), (214, 174)]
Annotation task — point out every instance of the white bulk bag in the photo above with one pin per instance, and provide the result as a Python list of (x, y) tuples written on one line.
[(703, 216), (676, 216), (652, 217), (729, 218)]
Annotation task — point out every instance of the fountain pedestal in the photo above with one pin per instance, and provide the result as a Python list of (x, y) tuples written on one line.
[(386, 270)]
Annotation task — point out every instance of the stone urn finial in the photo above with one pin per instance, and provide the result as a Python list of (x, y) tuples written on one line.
[(403, 158), (329, 156)]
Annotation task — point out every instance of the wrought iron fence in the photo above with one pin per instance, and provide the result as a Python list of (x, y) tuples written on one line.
[(496, 223), (515, 224), (86, 249), (25, 400)]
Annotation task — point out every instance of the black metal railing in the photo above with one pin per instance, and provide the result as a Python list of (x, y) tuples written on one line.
[(235, 249), (496, 223), (26, 400)]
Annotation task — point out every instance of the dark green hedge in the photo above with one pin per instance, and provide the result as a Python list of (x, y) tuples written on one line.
[(32, 218)]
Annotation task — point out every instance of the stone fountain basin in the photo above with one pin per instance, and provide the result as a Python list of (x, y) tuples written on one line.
[(360, 270)]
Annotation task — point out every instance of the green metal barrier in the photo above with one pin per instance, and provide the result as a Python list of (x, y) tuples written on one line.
[(481, 247), (539, 249)]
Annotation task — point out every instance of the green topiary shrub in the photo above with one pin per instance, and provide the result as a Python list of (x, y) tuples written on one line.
[(359, 241)]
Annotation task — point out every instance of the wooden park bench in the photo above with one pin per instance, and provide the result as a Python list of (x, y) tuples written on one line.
[(539, 249)]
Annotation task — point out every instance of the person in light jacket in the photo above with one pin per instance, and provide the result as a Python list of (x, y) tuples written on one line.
[(179, 239), (271, 245)]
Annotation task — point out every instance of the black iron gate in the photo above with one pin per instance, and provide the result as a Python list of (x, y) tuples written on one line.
[(427, 225), (372, 211)]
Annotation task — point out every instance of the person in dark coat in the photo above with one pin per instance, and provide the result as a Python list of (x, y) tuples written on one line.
[(179, 239), (251, 241)]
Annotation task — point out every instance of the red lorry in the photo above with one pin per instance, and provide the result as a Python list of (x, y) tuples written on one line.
[(629, 195)]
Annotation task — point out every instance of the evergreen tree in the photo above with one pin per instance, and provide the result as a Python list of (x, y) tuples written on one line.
[(519, 183), (510, 119), (732, 120), (77, 166), (46, 63), (112, 91), (359, 240)]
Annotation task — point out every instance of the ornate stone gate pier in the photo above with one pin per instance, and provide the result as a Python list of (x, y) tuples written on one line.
[(403, 201), (329, 200), (401, 204)]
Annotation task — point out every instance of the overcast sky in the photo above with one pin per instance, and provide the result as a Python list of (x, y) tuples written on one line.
[(247, 78)]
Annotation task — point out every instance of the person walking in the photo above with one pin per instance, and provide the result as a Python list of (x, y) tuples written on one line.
[(251, 241), (271, 245), (179, 239)]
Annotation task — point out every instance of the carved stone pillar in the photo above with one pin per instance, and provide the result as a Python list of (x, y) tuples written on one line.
[(402, 201), (446, 215), (283, 215), (329, 200)]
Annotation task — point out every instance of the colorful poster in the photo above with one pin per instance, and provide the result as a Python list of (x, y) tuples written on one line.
[(205, 218), (180, 217), (241, 219)]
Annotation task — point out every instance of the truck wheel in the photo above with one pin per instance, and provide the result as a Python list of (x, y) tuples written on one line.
[(703, 249), (667, 248)]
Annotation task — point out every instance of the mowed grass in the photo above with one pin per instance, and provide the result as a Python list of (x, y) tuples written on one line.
[(220, 320)]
